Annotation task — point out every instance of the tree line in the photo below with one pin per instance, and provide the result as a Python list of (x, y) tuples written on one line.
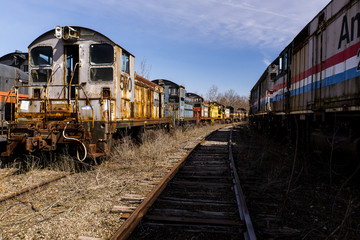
[(228, 98)]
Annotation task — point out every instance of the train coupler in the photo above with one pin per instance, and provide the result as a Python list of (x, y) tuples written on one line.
[(33, 144)]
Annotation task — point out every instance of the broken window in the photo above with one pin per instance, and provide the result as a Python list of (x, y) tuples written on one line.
[(41, 59), (41, 56)]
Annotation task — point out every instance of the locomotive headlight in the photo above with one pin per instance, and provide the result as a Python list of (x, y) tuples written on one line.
[(58, 32)]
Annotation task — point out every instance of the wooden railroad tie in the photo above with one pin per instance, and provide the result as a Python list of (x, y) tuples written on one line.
[(88, 238), (122, 209)]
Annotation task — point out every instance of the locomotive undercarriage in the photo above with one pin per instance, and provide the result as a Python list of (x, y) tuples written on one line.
[(94, 139), (332, 135), (37, 136)]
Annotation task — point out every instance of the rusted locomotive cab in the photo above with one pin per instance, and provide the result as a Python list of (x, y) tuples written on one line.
[(216, 112), (205, 112), (175, 102), (81, 90), (201, 108), (230, 113), (188, 107)]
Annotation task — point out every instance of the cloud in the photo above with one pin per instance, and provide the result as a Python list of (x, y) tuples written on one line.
[(227, 22), (234, 23)]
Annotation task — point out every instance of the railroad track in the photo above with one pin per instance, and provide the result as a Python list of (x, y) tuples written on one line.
[(32, 187), (9, 173), (200, 198)]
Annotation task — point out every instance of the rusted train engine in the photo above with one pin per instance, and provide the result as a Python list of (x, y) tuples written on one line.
[(83, 91), (312, 89), (177, 107)]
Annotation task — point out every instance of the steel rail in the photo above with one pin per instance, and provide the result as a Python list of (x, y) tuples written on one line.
[(9, 174), (240, 198), (28, 189), (129, 225)]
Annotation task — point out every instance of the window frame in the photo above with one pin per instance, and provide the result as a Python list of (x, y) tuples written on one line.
[(101, 63), (102, 66), (41, 69), (41, 65)]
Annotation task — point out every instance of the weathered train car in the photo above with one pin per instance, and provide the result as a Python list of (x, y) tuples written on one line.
[(201, 108), (261, 101), (317, 85), (16, 59), (189, 107), (81, 90), (175, 106), (148, 99), (205, 112), (242, 113), (228, 117), (216, 112)]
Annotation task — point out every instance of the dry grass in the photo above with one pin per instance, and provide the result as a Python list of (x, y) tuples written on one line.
[(79, 205)]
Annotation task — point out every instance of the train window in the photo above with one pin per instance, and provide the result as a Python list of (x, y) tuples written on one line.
[(101, 54), (40, 75), (285, 61), (41, 56), (173, 91), (125, 62), (101, 74), (280, 65)]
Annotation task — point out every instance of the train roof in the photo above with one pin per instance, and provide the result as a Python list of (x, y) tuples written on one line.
[(146, 82), (78, 28), (166, 82), (265, 73), (19, 54), (10, 72), (194, 95)]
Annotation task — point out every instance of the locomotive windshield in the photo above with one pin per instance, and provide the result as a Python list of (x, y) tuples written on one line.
[(173, 91), (101, 55), (41, 57)]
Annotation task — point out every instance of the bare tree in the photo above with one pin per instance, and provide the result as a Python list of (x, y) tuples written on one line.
[(212, 93), (229, 98), (145, 69)]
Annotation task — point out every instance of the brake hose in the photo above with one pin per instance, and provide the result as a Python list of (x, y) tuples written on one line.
[(75, 139)]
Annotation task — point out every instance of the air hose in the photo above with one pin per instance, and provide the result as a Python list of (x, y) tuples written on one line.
[(75, 139)]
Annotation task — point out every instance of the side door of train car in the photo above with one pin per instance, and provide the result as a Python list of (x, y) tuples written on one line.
[(318, 61), (72, 68)]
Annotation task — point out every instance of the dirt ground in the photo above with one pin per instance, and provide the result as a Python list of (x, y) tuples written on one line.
[(304, 200)]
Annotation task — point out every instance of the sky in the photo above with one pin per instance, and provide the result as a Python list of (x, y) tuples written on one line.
[(195, 43)]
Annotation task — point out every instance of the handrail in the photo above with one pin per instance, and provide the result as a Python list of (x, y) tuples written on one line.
[(72, 77), (88, 100), (2, 109)]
